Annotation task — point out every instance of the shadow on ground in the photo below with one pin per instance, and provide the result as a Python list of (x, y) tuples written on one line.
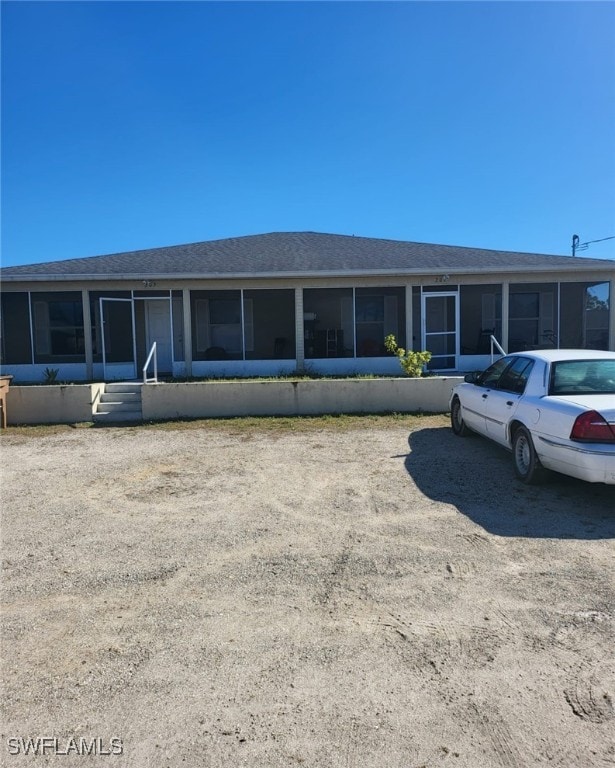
[(477, 477)]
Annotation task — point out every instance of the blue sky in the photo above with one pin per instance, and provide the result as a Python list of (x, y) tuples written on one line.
[(135, 125)]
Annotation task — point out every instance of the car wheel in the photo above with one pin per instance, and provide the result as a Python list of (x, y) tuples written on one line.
[(528, 468), (458, 425)]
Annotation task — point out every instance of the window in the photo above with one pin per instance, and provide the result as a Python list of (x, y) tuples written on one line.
[(378, 313), (58, 327), (532, 317), (16, 345), (524, 305), (269, 316), (583, 377), (480, 318), (328, 323), (224, 325), (217, 331), (490, 377), (516, 375), (334, 317), (523, 321), (585, 315)]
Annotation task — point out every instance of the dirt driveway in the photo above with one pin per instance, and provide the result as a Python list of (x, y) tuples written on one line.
[(373, 592)]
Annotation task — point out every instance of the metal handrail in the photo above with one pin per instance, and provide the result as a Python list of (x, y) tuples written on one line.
[(152, 353), (495, 343)]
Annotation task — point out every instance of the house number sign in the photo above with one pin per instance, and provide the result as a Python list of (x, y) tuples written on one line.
[(149, 283)]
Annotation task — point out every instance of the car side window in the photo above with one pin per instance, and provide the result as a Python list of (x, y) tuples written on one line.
[(490, 377), (516, 375)]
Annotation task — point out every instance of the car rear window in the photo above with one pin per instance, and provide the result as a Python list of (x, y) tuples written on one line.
[(582, 377)]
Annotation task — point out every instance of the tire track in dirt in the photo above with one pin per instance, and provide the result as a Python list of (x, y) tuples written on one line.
[(352, 757), (583, 630), (499, 734), (312, 618), (441, 645), (476, 540), (334, 579), (591, 695), (461, 569)]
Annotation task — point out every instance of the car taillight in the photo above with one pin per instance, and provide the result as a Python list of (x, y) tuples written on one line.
[(592, 427)]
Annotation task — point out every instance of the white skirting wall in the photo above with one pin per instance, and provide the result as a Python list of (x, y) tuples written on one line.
[(73, 403), (297, 398)]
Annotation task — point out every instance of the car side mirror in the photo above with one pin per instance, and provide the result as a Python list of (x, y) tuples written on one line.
[(471, 378)]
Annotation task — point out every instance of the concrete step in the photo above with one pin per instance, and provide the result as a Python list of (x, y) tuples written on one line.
[(124, 386), (113, 406), (124, 397), (121, 401), (112, 417)]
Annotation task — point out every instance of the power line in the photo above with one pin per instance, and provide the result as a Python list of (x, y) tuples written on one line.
[(576, 246)]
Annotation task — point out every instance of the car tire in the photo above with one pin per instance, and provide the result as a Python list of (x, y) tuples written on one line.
[(527, 465), (458, 425)]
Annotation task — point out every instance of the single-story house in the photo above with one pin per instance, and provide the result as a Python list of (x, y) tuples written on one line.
[(276, 303)]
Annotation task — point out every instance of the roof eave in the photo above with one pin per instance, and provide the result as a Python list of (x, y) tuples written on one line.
[(450, 270)]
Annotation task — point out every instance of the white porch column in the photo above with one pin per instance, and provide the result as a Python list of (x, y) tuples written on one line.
[(409, 324), (505, 306), (299, 328), (611, 316), (87, 332), (187, 330)]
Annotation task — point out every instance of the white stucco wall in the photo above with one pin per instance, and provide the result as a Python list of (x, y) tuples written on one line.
[(303, 397), (73, 403), (63, 404)]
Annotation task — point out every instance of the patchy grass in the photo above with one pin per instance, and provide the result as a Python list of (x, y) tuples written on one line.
[(247, 425), (42, 430), (280, 424), (280, 377)]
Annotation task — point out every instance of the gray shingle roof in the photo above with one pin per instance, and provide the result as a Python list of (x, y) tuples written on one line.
[(295, 253)]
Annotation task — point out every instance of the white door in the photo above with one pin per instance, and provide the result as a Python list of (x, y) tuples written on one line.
[(440, 330), (158, 329)]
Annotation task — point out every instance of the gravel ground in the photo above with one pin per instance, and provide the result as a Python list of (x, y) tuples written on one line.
[(372, 593)]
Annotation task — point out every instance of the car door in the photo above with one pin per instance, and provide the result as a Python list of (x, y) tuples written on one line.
[(474, 396), (503, 399)]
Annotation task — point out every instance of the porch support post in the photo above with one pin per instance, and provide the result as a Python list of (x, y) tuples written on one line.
[(505, 312), (409, 326), (87, 332), (299, 329), (611, 316), (187, 330)]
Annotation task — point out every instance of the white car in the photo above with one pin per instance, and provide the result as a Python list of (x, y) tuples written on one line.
[(554, 408)]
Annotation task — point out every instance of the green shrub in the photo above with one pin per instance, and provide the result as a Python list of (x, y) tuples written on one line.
[(412, 363), (51, 375)]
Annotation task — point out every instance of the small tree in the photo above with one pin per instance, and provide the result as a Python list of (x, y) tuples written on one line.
[(412, 363)]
